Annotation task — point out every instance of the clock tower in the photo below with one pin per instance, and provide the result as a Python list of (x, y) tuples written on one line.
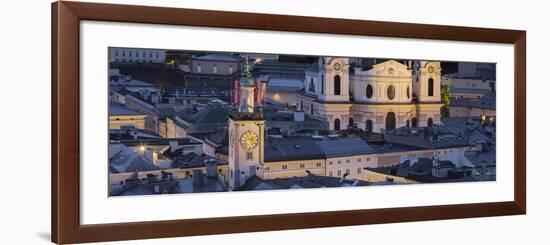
[(246, 135), (428, 79)]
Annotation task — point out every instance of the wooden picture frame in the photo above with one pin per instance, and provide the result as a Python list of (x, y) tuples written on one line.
[(65, 175)]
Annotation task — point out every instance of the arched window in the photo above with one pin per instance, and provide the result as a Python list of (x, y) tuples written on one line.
[(322, 84), (337, 124), (390, 121), (368, 126), (337, 89), (430, 122), (350, 122), (430, 87), (414, 122), (369, 91), (311, 85), (391, 92)]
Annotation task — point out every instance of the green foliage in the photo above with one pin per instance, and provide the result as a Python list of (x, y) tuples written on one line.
[(445, 97)]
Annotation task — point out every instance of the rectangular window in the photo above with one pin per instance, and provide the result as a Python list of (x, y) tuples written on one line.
[(285, 167), (318, 164), (339, 162), (329, 163), (368, 159), (330, 173), (339, 172), (347, 171), (347, 161), (358, 170), (249, 156), (302, 165), (358, 159)]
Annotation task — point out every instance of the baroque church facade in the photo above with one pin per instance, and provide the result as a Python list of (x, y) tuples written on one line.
[(387, 96)]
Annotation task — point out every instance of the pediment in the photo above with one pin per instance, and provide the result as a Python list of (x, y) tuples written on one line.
[(390, 68)]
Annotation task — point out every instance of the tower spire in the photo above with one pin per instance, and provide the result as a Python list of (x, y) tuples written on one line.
[(246, 103), (246, 76)]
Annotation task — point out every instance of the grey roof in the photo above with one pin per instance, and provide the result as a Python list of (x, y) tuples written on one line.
[(296, 148), (119, 110), (478, 158), (436, 137), (310, 181), (344, 147), (468, 128), (210, 115), (487, 101), (220, 137), (276, 69), (468, 90), (207, 184), (219, 57)]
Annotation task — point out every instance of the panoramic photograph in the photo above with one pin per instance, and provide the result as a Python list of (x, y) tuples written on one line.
[(184, 121)]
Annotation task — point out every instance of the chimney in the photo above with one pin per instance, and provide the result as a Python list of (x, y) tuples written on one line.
[(211, 168), (151, 178), (197, 177)]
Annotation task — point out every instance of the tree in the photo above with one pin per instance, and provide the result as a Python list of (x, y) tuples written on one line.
[(445, 97)]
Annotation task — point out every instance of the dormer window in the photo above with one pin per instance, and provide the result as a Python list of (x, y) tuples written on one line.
[(311, 85)]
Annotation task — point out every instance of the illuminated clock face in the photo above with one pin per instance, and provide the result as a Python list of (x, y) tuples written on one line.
[(249, 140), (431, 69), (337, 66)]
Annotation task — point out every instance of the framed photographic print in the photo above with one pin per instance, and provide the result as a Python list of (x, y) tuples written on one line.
[(177, 122)]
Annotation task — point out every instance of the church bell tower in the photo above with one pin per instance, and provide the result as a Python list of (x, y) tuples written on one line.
[(246, 135)]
